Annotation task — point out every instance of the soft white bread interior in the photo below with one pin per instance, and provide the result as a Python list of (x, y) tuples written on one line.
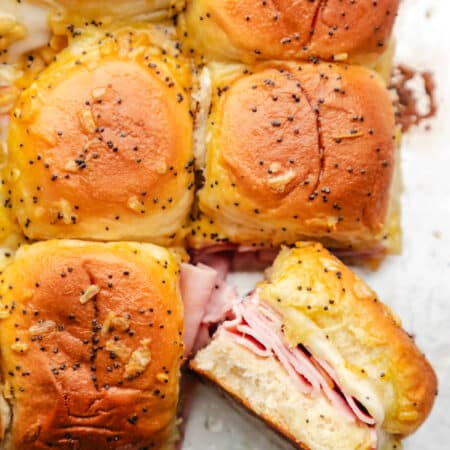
[(265, 388)]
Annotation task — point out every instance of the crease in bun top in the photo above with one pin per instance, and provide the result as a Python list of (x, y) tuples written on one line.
[(291, 150), (100, 143), (249, 30), (92, 341), (314, 352)]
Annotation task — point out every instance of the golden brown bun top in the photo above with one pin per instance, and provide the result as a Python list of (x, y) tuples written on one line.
[(357, 31), (100, 144), (91, 338), (302, 148), (308, 280)]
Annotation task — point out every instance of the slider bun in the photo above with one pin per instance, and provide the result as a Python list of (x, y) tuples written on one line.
[(100, 145), (91, 371), (263, 386), (308, 281), (247, 30), (295, 150)]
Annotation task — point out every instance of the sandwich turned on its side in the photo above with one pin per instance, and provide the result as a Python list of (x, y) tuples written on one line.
[(314, 353)]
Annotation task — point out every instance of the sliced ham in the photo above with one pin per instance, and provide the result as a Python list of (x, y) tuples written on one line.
[(258, 327), (221, 302), (239, 257), (202, 338), (198, 255), (369, 256), (196, 284), (207, 300), (220, 262)]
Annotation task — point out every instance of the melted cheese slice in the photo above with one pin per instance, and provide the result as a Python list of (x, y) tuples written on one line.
[(297, 326)]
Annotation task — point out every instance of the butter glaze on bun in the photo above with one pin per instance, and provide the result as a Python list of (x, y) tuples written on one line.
[(249, 30), (91, 338), (100, 145), (295, 150)]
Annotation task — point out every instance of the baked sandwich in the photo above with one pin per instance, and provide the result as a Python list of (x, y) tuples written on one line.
[(290, 151), (314, 353), (249, 30), (91, 343), (100, 143)]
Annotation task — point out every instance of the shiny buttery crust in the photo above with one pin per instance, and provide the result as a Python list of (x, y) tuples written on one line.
[(91, 338), (295, 151), (249, 30), (309, 280), (100, 145)]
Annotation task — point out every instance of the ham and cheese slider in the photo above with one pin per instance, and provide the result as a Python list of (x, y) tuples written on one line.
[(100, 144), (314, 353), (249, 30), (91, 343), (292, 150)]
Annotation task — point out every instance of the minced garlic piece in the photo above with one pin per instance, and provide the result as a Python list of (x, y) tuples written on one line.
[(340, 57), (43, 327), (98, 92), (90, 292), (162, 377), (72, 166), (4, 313), (135, 205), (64, 212), (325, 223), (280, 182), (139, 359), (87, 120), (7, 390), (119, 349), (161, 167), (120, 323), (112, 320), (19, 347), (275, 167), (107, 323)]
